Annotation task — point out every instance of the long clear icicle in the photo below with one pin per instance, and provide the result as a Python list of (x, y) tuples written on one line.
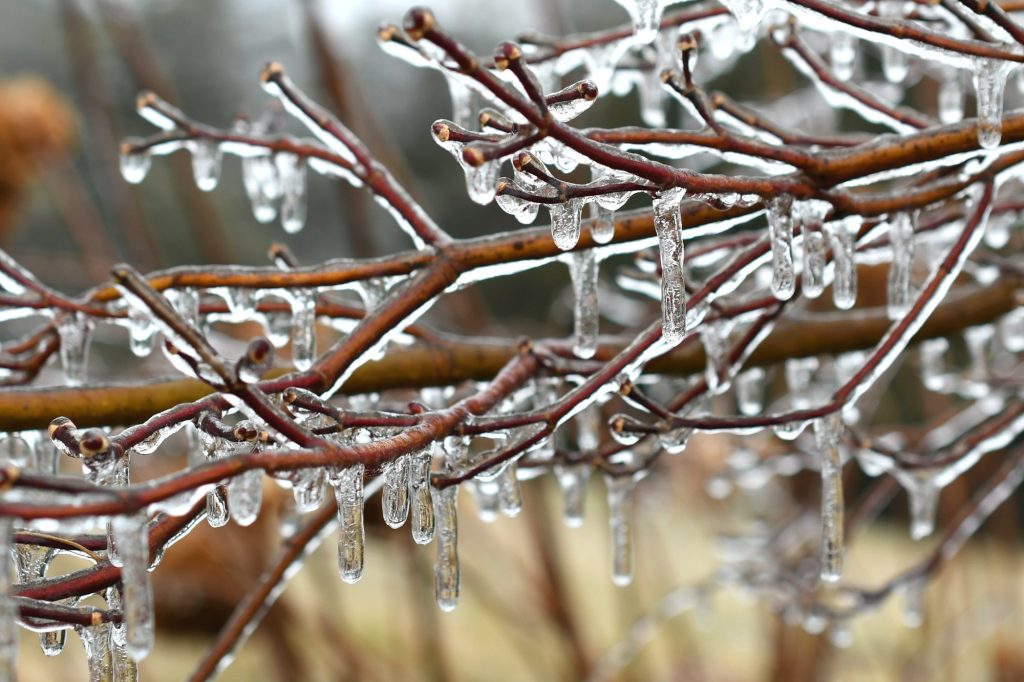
[(245, 496), (446, 568), (620, 522), (583, 267), (813, 275), (133, 547), (395, 494), (96, 641), (75, 330), (303, 303), (901, 237), (827, 431), (780, 231), (348, 491), (668, 224)]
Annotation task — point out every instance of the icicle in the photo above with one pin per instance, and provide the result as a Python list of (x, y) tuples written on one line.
[(462, 100), (646, 16), (951, 98), (977, 339), (422, 511), (583, 266), (216, 508), (134, 165), (8, 608), (715, 339), (572, 478), (395, 495), (750, 391), (292, 173), (780, 225), (620, 511), (602, 226), (303, 328), (668, 224), (748, 13), (844, 283), (245, 496), (913, 602), (96, 641), (259, 178), (923, 493), (510, 497), (652, 99), (842, 54), (123, 666), (565, 223), (989, 83), (932, 355), (446, 569), (799, 376), (894, 61), (141, 331), (813, 280), (75, 331), (827, 431), (485, 495), (839, 634), (1011, 330), (901, 236), (206, 162), (481, 178), (133, 546), (348, 491), (308, 489)]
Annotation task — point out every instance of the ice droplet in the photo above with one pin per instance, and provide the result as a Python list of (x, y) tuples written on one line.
[(308, 489), (75, 331), (668, 225), (901, 237), (780, 226), (583, 267), (446, 568), (932, 355), (52, 642), (422, 510), (565, 223), (134, 164), (292, 173), (395, 494), (206, 163), (133, 547), (989, 83), (923, 493), (620, 512), (827, 431), (748, 13), (245, 496), (141, 331), (217, 508), (348, 492), (714, 337), (844, 282)]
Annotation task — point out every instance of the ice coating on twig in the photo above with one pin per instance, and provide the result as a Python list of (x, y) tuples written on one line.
[(668, 225)]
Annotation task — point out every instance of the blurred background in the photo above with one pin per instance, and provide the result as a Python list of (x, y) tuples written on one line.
[(537, 599)]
